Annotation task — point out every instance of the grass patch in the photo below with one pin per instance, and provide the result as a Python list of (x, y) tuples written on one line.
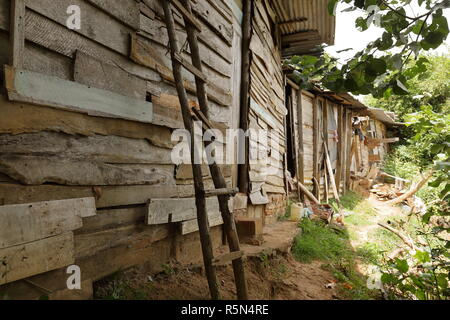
[(351, 200), (318, 242)]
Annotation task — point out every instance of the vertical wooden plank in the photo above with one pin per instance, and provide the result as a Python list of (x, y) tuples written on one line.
[(339, 149), (350, 148), (301, 150), (245, 90), (17, 33), (316, 146)]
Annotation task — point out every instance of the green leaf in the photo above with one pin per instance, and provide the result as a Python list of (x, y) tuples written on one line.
[(402, 265), (332, 4), (422, 256)]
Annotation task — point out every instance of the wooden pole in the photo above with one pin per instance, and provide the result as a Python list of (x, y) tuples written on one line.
[(413, 190), (200, 201), (245, 90), (330, 173), (17, 36), (218, 179)]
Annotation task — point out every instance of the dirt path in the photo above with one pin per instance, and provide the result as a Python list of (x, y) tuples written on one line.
[(383, 211), (272, 274)]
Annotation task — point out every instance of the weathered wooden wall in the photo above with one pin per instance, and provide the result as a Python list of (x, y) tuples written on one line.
[(112, 140), (320, 118), (267, 108)]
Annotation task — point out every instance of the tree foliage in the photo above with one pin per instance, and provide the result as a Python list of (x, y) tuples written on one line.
[(383, 67)]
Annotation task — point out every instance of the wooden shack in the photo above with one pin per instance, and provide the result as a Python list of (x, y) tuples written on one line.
[(86, 123)]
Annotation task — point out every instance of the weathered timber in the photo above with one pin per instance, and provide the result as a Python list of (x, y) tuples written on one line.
[(37, 257), (25, 86), (24, 223)]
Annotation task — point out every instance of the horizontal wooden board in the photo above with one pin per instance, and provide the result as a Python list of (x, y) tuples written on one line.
[(23, 261), (35, 88), (106, 196), (36, 170), (97, 148), (161, 211), (17, 118), (126, 11), (24, 223), (214, 219), (89, 244), (95, 73), (96, 24)]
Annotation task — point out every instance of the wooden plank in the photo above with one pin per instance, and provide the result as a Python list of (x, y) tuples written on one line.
[(187, 15), (96, 24), (37, 257), (25, 86), (26, 118), (191, 226), (126, 11), (97, 148), (106, 196), (161, 211), (26, 223), (17, 30), (95, 73), (142, 53), (37, 170)]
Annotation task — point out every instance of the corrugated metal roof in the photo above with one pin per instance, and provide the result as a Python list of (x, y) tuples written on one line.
[(317, 27)]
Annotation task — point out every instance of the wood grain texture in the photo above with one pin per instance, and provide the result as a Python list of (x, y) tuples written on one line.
[(161, 211), (26, 86), (20, 118), (24, 223), (37, 257), (98, 74)]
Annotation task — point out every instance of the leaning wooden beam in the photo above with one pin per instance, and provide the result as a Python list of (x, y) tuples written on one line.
[(218, 179), (416, 188), (331, 174), (399, 234), (202, 217), (308, 193), (17, 34)]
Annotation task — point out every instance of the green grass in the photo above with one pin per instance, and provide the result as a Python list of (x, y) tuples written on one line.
[(319, 242)]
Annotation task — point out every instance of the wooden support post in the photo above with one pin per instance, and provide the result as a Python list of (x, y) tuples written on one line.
[(338, 175), (202, 216), (351, 149), (301, 149), (316, 146), (216, 174), (245, 90), (17, 33)]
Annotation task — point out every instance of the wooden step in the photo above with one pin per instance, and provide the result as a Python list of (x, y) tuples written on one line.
[(187, 15)]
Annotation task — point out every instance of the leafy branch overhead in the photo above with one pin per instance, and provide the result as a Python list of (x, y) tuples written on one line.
[(383, 68)]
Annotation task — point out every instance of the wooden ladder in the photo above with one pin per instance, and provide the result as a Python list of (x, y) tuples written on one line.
[(193, 26)]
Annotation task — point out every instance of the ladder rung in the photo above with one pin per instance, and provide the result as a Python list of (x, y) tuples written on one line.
[(228, 257), (201, 116), (222, 192), (189, 67), (187, 15)]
